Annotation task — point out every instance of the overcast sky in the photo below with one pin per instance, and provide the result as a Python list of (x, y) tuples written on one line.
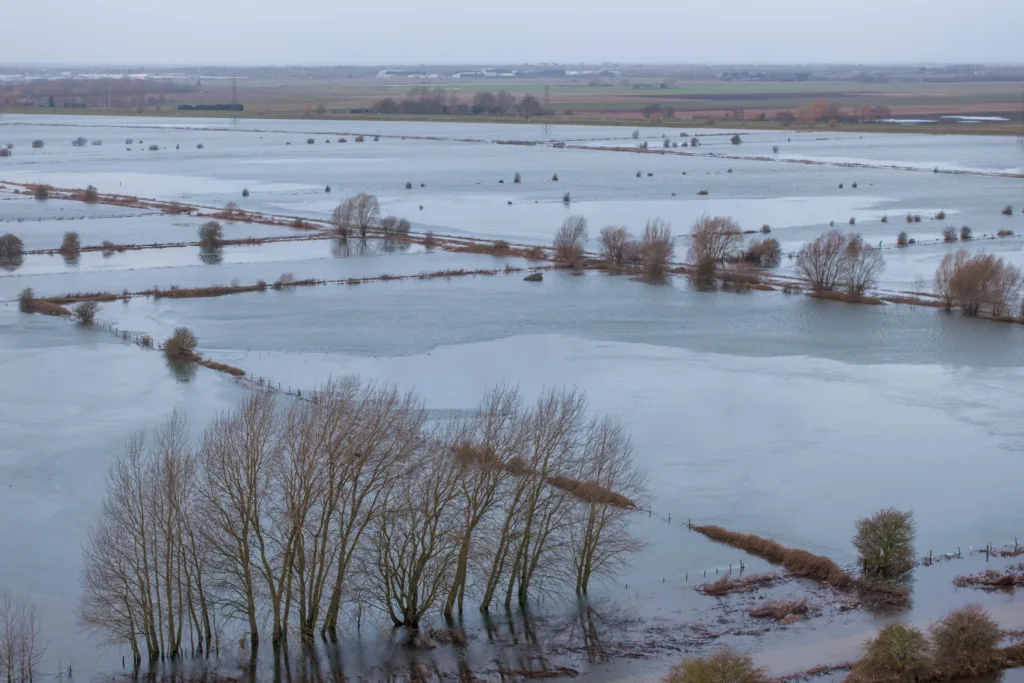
[(485, 31)]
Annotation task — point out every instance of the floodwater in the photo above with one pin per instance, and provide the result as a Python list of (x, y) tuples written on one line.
[(761, 412)]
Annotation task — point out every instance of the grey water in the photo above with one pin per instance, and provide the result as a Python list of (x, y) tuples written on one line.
[(774, 414)]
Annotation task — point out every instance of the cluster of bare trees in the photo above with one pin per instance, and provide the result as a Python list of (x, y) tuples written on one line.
[(836, 258), (978, 282), (652, 253), (288, 519), (357, 214), (426, 100), (21, 645)]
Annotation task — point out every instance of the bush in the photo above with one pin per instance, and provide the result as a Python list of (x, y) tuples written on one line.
[(1007, 210), (501, 246), (739, 276), (885, 219), (11, 246), (940, 216), (91, 195), (1005, 233), (79, 142), (393, 226), (71, 245), (713, 240), (570, 239), (181, 345), (310, 141), (965, 641), (765, 229), (885, 543), (359, 138), (656, 248), (5, 152), (775, 149), (635, 135), (554, 178), (37, 144), (25, 300), (723, 666), (566, 198), (284, 280), (613, 241), (429, 241), (899, 653), (211, 234), (949, 235), (766, 253), (901, 239), (230, 209), (108, 247), (146, 341), (982, 281), (85, 312), (517, 179), (42, 192), (966, 234), (154, 148), (245, 191), (735, 139)]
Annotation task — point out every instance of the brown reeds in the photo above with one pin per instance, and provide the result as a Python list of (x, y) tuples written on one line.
[(591, 492), (221, 367), (781, 610), (728, 584), (847, 297), (993, 579), (796, 561)]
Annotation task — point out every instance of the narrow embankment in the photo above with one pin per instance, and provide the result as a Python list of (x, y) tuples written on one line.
[(808, 565)]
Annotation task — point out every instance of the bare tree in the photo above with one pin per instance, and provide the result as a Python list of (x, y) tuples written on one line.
[(613, 244), (713, 241), (21, 645), (416, 537), (657, 247), (384, 436), (821, 261), (237, 465), (556, 435), (570, 240), (485, 451), (862, 264), (599, 540), (134, 581), (504, 102)]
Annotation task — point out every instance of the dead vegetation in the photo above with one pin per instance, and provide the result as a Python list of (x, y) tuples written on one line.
[(28, 303), (993, 579), (785, 611), (728, 584)]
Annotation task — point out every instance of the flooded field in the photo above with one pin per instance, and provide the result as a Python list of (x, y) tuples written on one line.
[(761, 412)]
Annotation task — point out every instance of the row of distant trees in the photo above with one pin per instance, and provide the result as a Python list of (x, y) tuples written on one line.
[(304, 516), (425, 100), (825, 111)]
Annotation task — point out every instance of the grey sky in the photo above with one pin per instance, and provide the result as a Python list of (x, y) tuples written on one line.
[(485, 31)]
